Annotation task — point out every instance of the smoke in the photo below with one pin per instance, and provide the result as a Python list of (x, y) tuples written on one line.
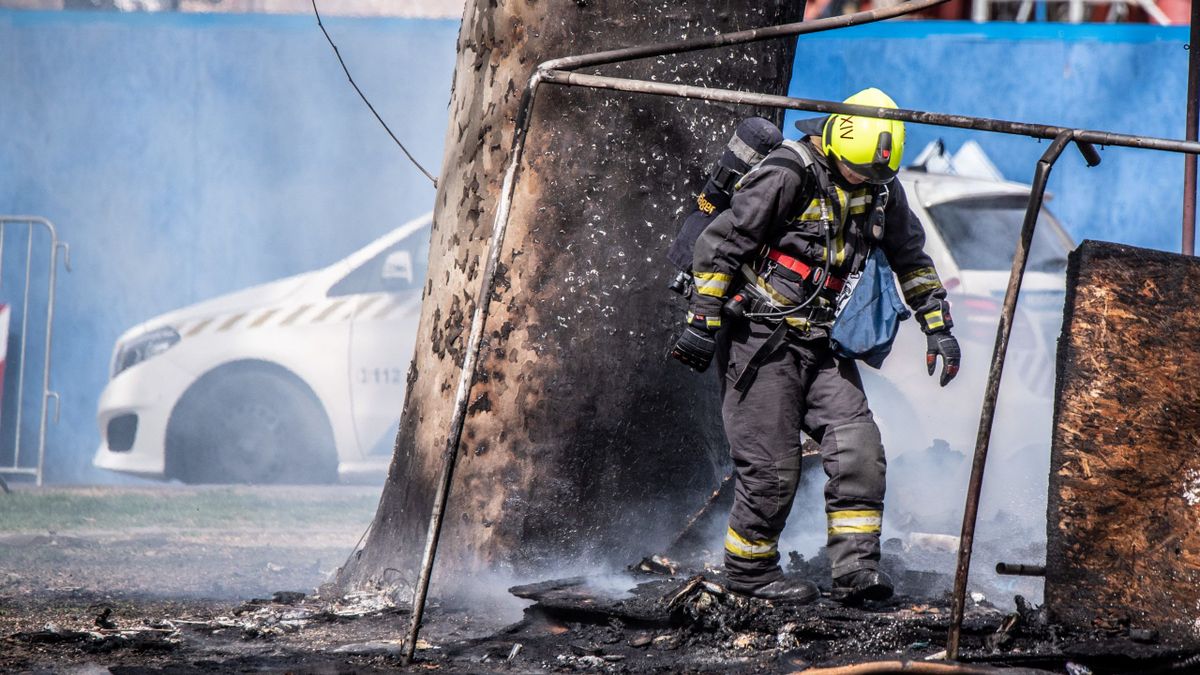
[(923, 518), (929, 438), (234, 155)]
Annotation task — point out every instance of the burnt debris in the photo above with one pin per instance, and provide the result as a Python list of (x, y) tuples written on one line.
[(639, 622)]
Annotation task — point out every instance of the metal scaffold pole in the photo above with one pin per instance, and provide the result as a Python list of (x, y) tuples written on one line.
[(1189, 166)]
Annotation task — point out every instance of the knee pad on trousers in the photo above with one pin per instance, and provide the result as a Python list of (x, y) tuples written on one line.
[(787, 471), (854, 461)]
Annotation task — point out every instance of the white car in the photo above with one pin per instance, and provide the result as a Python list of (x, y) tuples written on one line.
[(296, 380), (971, 227)]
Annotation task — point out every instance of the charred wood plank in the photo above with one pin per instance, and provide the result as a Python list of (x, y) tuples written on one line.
[(601, 599), (1123, 544)]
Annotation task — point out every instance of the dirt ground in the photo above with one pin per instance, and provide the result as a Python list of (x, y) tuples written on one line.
[(180, 580), (168, 567)]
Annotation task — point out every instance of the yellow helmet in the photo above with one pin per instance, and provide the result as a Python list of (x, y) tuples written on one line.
[(871, 147)]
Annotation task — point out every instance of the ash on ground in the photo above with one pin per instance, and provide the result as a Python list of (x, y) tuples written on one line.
[(665, 620)]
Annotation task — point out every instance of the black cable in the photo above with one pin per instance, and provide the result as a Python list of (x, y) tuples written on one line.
[(364, 98), (784, 313)]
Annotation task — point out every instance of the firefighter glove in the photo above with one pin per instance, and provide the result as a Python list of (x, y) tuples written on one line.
[(942, 343), (695, 348), (934, 316), (707, 323)]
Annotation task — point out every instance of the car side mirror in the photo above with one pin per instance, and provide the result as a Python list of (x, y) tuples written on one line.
[(397, 271)]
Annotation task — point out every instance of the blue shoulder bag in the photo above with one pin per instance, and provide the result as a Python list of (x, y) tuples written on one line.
[(866, 327)]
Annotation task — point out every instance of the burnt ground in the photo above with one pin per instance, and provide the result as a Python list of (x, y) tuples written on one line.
[(219, 580)]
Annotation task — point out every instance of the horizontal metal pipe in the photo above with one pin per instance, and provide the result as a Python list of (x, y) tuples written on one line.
[(740, 37), (1020, 569), (829, 107)]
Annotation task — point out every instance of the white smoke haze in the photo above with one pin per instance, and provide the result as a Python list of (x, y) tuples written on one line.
[(485, 594), (204, 154)]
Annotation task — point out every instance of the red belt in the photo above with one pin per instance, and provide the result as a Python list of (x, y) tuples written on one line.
[(805, 271)]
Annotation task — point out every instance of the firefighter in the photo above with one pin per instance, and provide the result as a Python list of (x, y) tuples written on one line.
[(799, 223)]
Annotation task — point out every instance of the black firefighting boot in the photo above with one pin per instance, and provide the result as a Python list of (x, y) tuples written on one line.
[(866, 584), (787, 590)]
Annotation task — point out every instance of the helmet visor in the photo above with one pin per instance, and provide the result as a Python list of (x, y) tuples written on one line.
[(877, 173)]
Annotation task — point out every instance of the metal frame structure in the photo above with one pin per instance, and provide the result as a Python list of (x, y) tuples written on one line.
[(1076, 9), (33, 222), (559, 71)]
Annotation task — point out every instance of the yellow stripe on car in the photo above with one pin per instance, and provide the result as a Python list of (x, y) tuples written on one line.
[(328, 310), (375, 306), (230, 322), (195, 330), (262, 318), (367, 302), (291, 318)]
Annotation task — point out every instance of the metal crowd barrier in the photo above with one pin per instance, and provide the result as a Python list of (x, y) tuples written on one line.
[(28, 458)]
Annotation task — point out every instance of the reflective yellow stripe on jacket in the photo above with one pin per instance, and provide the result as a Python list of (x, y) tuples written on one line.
[(712, 283), (850, 203), (855, 522), (917, 283), (753, 549)]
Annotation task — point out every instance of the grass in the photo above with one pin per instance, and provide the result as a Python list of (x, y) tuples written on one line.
[(66, 509)]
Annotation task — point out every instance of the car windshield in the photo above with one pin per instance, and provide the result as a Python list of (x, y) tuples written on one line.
[(369, 277), (982, 233)]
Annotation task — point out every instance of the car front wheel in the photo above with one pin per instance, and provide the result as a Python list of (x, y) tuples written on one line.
[(249, 425)]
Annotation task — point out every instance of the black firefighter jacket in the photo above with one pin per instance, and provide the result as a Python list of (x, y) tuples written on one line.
[(775, 207)]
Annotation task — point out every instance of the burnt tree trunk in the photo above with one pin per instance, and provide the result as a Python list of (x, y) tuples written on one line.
[(583, 441), (1123, 544)]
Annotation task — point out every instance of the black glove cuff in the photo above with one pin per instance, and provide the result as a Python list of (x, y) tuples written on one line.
[(708, 323), (934, 316)]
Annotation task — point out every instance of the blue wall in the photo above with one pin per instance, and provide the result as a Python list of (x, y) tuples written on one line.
[(185, 156), (1124, 78)]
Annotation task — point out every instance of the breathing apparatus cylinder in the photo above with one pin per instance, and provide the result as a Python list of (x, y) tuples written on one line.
[(751, 141), (753, 138)]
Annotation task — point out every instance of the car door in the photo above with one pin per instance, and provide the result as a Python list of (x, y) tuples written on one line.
[(383, 333)]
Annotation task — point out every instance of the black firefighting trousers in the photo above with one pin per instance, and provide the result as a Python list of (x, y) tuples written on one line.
[(802, 386)]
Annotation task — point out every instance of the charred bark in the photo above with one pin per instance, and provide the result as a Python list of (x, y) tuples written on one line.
[(582, 441), (1123, 546)]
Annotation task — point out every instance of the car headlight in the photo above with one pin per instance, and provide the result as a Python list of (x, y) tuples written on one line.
[(143, 347)]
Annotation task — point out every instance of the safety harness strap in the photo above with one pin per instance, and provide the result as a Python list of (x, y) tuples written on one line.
[(764, 352), (805, 271), (784, 162)]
